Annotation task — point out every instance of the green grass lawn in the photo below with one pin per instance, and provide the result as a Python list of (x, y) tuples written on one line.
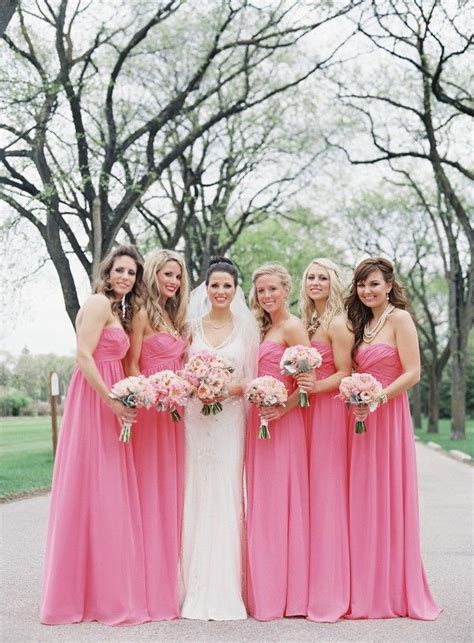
[(26, 456), (443, 439)]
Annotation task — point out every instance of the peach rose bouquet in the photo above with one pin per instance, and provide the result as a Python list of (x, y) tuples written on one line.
[(361, 388), (209, 375), (263, 392)]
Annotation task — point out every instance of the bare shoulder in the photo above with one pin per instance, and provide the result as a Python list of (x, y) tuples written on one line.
[(293, 323), (339, 324), (96, 303), (401, 317), (402, 322), (294, 331)]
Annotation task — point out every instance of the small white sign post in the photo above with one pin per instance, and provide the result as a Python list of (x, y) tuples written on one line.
[(53, 397)]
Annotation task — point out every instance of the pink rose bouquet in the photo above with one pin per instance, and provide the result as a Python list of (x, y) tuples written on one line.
[(134, 392), (300, 359), (210, 376), (171, 391), (263, 392), (361, 388)]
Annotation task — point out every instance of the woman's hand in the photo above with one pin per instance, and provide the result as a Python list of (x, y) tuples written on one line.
[(236, 389), (307, 382), (271, 413), (361, 411), (125, 414)]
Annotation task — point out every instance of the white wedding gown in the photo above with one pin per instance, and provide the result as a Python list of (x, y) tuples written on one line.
[(213, 517)]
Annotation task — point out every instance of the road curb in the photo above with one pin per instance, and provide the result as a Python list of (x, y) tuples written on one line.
[(460, 455), (454, 454)]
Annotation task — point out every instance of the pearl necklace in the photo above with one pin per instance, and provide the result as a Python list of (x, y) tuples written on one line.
[(369, 335), (208, 320)]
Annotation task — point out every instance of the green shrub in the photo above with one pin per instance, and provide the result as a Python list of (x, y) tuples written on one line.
[(12, 401)]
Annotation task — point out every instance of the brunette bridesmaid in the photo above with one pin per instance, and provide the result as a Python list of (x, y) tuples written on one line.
[(94, 569), (277, 469), (322, 309), (157, 344), (387, 575)]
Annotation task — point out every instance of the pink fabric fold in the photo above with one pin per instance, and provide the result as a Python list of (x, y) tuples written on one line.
[(329, 567)]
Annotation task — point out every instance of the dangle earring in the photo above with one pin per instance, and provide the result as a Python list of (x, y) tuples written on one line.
[(124, 306)]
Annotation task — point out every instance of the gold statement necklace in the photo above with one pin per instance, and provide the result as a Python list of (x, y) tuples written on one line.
[(169, 329), (314, 324), (369, 335)]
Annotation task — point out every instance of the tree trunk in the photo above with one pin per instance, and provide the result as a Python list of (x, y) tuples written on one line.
[(458, 396), (458, 354), (433, 402), (416, 406)]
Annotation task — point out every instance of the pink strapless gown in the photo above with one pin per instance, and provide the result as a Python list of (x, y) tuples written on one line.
[(329, 567), (278, 509), (94, 569), (387, 575), (158, 447)]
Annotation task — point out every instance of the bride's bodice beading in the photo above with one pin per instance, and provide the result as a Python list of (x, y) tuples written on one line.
[(232, 348)]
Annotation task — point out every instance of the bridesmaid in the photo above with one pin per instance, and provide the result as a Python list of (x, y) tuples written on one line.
[(276, 469), (157, 344), (94, 569), (322, 309), (387, 575)]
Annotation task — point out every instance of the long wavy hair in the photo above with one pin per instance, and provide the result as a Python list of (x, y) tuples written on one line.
[(335, 302), (133, 299), (358, 313), (274, 269), (175, 306)]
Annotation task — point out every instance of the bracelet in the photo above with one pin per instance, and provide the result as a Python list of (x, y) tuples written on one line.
[(383, 399)]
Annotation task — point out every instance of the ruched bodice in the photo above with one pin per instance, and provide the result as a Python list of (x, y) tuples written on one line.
[(161, 352), (327, 367), (269, 357), (380, 360), (113, 345)]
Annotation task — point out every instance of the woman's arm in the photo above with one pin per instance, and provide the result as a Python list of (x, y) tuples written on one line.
[(406, 339), (132, 358), (95, 314)]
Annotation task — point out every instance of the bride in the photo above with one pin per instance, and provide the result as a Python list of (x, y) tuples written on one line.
[(213, 518)]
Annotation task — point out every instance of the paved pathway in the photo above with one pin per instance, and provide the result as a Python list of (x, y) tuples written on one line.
[(446, 494)]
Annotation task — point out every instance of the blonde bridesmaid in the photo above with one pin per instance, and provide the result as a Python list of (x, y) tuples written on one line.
[(277, 469), (322, 309), (157, 344)]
